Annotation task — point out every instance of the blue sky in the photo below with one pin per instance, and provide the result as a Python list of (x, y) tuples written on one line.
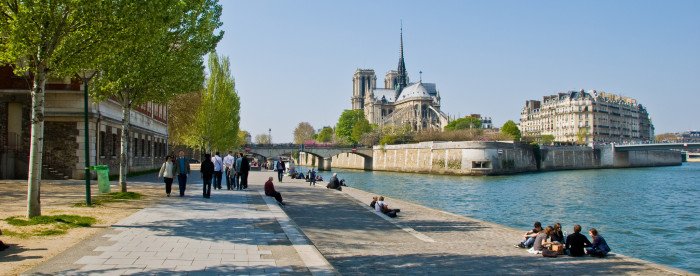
[(293, 60)]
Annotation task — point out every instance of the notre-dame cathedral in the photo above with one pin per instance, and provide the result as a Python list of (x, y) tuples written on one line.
[(400, 102)]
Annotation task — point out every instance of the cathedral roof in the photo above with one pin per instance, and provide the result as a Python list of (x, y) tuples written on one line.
[(414, 91), (388, 94)]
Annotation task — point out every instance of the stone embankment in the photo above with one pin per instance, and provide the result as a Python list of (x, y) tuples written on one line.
[(495, 158)]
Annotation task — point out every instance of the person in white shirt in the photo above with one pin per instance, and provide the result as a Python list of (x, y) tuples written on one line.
[(381, 207), (228, 165), (218, 167), (167, 172)]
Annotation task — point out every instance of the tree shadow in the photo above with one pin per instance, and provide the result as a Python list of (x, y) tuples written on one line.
[(222, 269), (12, 253)]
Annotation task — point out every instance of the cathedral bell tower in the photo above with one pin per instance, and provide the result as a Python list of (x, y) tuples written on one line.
[(363, 82)]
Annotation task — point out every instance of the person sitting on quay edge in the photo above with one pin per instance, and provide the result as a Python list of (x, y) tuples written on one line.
[(541, 241), (383, 208), (530, 236), (374, 202), (270, 191), (576, 242), (334, 183), (557, 236), (599, 247)]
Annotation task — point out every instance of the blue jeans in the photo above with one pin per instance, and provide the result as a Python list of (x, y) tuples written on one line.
[(529, 242), (182, 183), (217, 179), (280, 173)]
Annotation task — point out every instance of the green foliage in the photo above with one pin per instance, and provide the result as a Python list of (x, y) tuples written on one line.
[(263, 139), (68, 220), (303, 132), (547, 139), (581, 135), (218, 118), (511, 129), (325, 135), (454, 164), (468, 122), (102, 199), (348, 121)]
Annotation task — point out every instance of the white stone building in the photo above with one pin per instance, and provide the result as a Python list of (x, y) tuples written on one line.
[(587, 117)]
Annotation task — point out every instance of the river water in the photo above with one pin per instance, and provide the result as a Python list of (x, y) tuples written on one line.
[(647, 213)]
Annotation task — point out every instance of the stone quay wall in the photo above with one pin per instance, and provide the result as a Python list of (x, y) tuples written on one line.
[(495, 158)]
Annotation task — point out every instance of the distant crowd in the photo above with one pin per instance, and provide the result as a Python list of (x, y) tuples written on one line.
[(213, 170)]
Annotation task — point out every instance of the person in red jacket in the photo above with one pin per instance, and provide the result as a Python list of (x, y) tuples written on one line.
[(270, 191)]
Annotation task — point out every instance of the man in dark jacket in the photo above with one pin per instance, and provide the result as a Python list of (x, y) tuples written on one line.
[(334, 183), (182, 170), (207, 170), (245, 168), (576, 242), (280, 169)]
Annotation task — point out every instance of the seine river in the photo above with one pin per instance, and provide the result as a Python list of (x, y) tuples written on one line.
[(648, 213)]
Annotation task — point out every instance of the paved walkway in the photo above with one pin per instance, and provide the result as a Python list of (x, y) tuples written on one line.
[(234, 232), (358, 241)]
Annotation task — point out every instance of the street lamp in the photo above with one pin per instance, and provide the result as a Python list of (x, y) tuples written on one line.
[(269, 135), (86, 75)]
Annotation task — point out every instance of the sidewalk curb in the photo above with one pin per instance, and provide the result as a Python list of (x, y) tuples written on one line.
[(309, 254)]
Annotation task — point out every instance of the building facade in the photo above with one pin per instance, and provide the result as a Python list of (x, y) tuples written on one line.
[(587, 117), (63, 152), (400, 102)]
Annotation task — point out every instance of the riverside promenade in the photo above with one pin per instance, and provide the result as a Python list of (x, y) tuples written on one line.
[(320, 232)]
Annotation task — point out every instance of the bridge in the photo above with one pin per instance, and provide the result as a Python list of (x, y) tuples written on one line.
[(323, 153), (657, 146)]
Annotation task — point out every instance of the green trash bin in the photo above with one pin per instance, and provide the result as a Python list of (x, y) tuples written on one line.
[(102, 178)]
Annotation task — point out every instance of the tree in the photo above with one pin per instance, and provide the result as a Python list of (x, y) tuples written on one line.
[(582, 135), (303, 132), (511, 129), (244, 136), (218, 117), (45, 39), (325, 135), (263, 139), (360, 128), (547, 139), (667, 137), (163, 57), (347, 121), (182, 112), (468, 122)]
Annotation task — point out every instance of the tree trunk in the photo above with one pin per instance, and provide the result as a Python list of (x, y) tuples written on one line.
[(123, 160), (37, 144)]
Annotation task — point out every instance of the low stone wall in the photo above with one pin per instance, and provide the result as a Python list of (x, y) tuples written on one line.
[(463, 158), (494, 158)]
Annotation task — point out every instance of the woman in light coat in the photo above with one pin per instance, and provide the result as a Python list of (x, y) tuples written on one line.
[(167, 172)]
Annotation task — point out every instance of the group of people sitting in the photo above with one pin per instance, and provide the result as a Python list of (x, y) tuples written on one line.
[(550, 242), (381, 207)]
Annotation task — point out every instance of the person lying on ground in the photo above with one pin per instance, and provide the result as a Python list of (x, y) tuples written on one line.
[(530, 236), (599, 247), (383, 208), (576, 242), (270, 191), (333, 183)]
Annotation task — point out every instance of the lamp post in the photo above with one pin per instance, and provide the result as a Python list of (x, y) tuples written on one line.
[(86, 75), (269, 135)]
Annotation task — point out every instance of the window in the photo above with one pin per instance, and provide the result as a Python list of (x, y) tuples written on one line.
[(481, 164), (103, 147), (136, 146), (148, 149), (143, 147), (115, 144)]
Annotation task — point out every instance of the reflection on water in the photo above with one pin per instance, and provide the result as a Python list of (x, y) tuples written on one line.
[(649, 213)]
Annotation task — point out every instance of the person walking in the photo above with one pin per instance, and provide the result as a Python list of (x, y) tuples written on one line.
[(237, 169), (167, 172), (312, 177), (207, 170), (280, 169), (245, 168), (228, 167), (182, 169), (218, 170)]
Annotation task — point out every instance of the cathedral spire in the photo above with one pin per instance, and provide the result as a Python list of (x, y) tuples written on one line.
[(402, 77)]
